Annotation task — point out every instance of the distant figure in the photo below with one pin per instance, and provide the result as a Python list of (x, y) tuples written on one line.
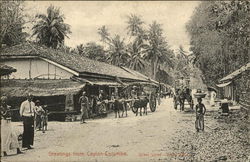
[(212, 98), (158, 96), (182, 83), (101, 95), (8, 136), (27, 112), (134, 93), (84, 101)]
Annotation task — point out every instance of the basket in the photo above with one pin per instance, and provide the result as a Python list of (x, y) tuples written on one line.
[(199, 95)]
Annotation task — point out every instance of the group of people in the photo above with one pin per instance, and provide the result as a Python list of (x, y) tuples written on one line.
[(89, 104), (29, 111)]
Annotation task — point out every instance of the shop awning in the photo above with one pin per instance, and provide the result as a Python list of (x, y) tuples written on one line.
[(20, 88), (223, 84), (143, 83)]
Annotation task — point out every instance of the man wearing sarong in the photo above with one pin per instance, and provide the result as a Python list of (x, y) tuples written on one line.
[(27, 112), (84, 101)]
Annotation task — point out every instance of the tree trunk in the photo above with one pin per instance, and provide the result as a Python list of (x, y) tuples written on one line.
[(152, 68), (155, 67)]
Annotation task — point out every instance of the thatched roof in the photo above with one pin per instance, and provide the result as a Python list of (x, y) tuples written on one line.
[(20, 88), (72, 61), (6, 70)]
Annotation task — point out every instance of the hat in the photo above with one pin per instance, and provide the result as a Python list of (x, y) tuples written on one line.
[(37, 101)]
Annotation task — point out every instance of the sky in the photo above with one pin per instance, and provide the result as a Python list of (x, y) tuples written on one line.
[(85, 17)]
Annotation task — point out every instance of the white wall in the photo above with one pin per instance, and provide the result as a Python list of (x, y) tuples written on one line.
[(38, 69)]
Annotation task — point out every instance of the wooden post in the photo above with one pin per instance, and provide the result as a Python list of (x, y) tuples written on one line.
[(55, 72), (48, 70), (30, 70)]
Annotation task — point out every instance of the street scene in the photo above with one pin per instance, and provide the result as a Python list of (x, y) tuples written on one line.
[(161, 136), (124, 81)]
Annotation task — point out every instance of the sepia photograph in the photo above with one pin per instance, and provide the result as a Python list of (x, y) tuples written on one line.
[(124, 81)]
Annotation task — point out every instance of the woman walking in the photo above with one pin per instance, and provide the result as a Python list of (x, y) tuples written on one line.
[(8, 137)]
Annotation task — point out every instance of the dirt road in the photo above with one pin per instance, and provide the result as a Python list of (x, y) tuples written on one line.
[(143, 138)]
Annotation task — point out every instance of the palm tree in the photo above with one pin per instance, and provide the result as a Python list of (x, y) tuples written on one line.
[(134, 25), (117, 51), (157, 49), (136, 48), (104, 33), (136, 61), (50, 29)]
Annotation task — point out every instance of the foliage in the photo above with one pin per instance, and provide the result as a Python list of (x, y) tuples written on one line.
[(50, 29), (148, 45), (117, 51), (12, 21), (134, 25), (104, 33), (117, 54), (136, 61), (136, 47), (94, 52), (157, 49), (220, 33)]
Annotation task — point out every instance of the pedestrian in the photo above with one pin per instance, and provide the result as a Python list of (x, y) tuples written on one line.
[(84, 101), (200, 112), (112, 98), (182, 82), (101, 96), (38, 114), (9, 139), (134, 92), (158, 96), (27, 112), (213, 97)]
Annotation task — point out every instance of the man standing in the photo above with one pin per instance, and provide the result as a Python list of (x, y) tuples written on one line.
[(27, 111), (84, 101)]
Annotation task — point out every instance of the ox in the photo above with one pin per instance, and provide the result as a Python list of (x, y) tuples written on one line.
[(120, 105), (139, 104)]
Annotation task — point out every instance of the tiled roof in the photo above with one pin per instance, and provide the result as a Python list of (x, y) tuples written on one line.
[(72, 61)]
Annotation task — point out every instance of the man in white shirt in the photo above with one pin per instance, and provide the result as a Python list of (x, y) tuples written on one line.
[(27, 112)]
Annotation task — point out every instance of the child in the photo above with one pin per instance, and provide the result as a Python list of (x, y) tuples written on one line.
[(200, 112), (39, 111)]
